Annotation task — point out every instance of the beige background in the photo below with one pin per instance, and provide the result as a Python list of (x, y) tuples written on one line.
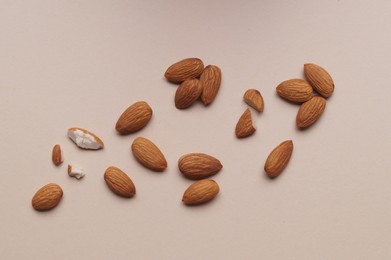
[(81, 63)]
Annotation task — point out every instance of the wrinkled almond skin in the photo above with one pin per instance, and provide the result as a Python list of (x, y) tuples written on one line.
[(245, 127), (200, 192), (187, 93), (254, 99), (320, 79), (57, 155), (47, 197), (310, 112), (185, 69), (148, 154), (295, 90), (210, 81), (278, 159), (134, 118), (197, 166), (119, 182)]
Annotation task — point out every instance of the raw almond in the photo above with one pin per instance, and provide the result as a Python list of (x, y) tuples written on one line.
[(278, 159), (148, 154), (254, 99), (119, 182), (295, 90), (85, 139), (47, 197), (310, 111), (199, 165), (320, 79), (187, 93), (185, 69), (210, 81), (134, 118), (200, 192), (245, 127), (57, 155)]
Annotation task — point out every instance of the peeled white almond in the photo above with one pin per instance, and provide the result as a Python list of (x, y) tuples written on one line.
[(85, 139)]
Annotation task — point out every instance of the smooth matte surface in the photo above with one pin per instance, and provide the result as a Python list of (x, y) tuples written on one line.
[(81, 63)]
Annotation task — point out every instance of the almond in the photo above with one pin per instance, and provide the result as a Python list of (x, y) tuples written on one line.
[(320, 79), (295, 90), (210, 81), (187, 93), (119, 182), (245, 127), (310, 112), (200, 192), (198, 165), (57, 155), (148, 154), (85, 139), (278, 159), (134, 118), (254, 99), (75, 172), (185, 69), (47, 197)]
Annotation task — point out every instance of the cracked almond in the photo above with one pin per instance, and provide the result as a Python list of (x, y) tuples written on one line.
[(254, 99), (245, 127)]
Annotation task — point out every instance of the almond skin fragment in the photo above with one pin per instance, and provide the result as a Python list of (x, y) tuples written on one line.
[(254, 99), (57, 155), (187, 93), (119, 182), (85, 139), (278, 159), (185, 69), (197, 166), (295, 90), (245, 127), (310, 112), (200, 192), (47, 197), (320, 79), (134, 118), (210, 81), (148, 154)]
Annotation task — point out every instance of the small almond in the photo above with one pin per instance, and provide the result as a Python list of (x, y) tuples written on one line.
[(245, 127), (210, 81), (185, 69), (278, 159), (47, 197), (320, 79), (119, 182), (85, 139), (254, 99), (199, 165), (310, 112), (57, 155), (187, 93), (295, 90), (148, 154), (201, 192), (134, 118)]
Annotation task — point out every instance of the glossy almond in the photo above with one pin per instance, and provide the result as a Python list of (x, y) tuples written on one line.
[(187, 93), (185, 69), (148, 154), (295, 90), (199, 165), (201, 192), (245, 127), (310, 112), (57, 155), (134, 118), (47, 197), (254, 99), (319, 78), (119, 182), (210, 81), (278, 159)]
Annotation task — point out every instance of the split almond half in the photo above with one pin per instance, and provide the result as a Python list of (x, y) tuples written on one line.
[(320, 79), (210, 81), (254, 99), (187, 93), (119, 182), (278, 159), (85, 139), (185, 69), (310, 112), (199, 165), (245, 127), (200, 192), (134, 118), (148, 154), (57, 155), (47, 197), (295, 90)]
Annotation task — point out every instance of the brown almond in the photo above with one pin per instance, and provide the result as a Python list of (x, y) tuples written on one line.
[(119, 182), (245, 127), (320, 79), (201, 192), (310, 112), (148, 154), (295, 90), (278, 159), (199, 165), (47, 197), (57, 155), (134, 118), (187, 93), (254, 99), (185, 69), (210, 81)]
